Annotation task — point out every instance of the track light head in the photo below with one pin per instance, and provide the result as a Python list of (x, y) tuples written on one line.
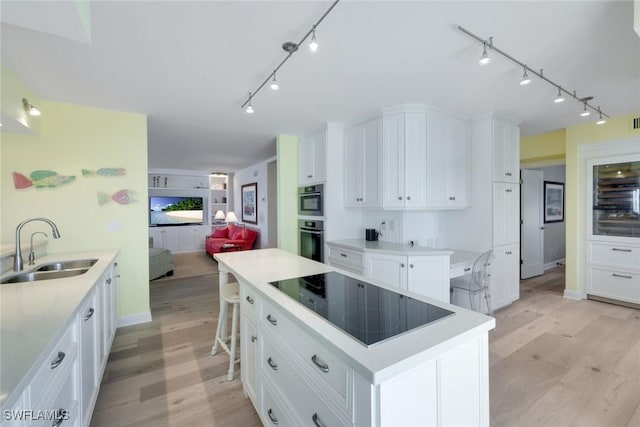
[(290, 47), (525, 78), (274, 83), (313, 46), (249, 109), (601, 120), (32, 110), (484, 59), (585, 112), (559, 98)]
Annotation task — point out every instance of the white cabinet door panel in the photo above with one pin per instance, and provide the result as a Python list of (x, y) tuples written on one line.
[(388, 269), (429, 276), (415, 164), (506, 213), (505, 276), (393, 161)]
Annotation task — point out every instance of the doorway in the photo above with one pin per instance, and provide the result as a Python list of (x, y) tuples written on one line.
[(542, 245)]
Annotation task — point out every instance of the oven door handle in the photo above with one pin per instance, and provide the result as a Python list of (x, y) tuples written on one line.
[(302, 230), (309, 194)]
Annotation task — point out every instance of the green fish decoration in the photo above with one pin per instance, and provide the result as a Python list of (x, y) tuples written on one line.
[(41, 179), (105, 172), (124, 197)]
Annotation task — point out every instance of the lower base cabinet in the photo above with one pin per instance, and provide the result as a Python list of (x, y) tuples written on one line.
[(299, 382), (504, 282)]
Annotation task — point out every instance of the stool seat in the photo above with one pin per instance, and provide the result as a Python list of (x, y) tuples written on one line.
[(229, 295)]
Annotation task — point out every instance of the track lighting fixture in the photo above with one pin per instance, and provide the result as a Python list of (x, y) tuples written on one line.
[(249, 109), (290, 48), (526, 80), (485, 59), (313, 46), (32, 110), (274, 83)]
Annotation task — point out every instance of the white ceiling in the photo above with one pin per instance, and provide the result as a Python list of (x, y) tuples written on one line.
[(189, 66)]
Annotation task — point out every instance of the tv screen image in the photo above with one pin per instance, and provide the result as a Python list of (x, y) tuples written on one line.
[(175, 210)]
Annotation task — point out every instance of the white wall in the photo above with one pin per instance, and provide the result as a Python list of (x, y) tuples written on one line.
[(256, 173)]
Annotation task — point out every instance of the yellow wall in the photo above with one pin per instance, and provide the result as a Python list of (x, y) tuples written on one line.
[(72, 138), (616, 128), (287, 153), (546, 146)]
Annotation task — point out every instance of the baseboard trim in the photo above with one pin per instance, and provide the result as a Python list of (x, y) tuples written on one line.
[(553, 264), (134, 319), (574, 295)]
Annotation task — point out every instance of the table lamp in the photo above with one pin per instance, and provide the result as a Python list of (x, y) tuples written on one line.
[(231, 218), (219, 217)]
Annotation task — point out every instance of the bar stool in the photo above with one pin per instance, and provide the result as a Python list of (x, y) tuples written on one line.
[(229, 295)]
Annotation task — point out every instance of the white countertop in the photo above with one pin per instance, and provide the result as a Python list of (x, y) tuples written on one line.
[(33, 314), (388, 247), (377, 363)]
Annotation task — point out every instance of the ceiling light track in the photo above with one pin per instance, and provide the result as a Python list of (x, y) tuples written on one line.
[(292, 48), (488, 44)]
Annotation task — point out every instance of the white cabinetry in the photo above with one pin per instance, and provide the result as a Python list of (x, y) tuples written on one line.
[(506, 152), (506, 213), (90, 335), (426, 275), (505, 275), (448, 145), (179, 239), (346, 259), (361, 145), (613, 239), (218, 198), (404, 160), (312, 155)]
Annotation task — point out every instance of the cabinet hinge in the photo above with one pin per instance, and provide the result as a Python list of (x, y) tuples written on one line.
[(521, 262)]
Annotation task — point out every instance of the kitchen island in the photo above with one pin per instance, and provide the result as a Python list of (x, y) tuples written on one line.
[(300, 369)]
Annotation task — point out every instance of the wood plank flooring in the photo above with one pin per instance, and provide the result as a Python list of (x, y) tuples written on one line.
[(554, 362)]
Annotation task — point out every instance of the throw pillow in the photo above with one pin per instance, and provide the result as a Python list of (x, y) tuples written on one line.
[(221, 232)]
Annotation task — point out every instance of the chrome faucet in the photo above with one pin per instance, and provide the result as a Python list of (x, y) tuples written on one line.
[(18, 264), (32, 255)]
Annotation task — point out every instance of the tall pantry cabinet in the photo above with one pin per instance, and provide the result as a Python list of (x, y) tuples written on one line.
[(493, 219)]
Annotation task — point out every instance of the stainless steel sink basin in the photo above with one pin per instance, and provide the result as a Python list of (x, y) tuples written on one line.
[(44, 275), (67, 265)]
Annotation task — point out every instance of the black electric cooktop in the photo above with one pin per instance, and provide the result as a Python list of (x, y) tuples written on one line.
[(368, 313)]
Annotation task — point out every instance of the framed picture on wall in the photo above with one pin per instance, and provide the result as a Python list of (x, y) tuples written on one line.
[(250, 203), (553, 202)]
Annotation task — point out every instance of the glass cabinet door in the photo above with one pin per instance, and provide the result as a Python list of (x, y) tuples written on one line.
[(616, 199)]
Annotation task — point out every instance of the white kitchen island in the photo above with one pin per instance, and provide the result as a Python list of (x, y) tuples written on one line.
[(299, 369)]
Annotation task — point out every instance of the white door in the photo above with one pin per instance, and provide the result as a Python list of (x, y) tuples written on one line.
[(532, 227), (429, 276), (388, 269)]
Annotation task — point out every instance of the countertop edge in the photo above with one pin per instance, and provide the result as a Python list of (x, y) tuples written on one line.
[(388, 248)]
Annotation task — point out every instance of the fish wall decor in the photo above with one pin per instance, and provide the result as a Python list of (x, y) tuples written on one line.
[(41, 179), (104, 172), (123, 197)]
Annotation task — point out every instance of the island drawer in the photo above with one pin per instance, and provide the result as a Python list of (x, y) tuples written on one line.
[(248, 302), (57, 363), (319, 364), (614, 255), (60, 405), (346, 257), (307, 403), (273, 412)]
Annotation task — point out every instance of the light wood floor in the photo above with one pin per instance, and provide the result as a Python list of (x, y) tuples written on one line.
[(554, 362)]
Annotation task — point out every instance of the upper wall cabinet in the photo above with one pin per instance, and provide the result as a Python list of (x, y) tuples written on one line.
[(312, 154), (404, 159), (506, 152), (448, 161), (361, 172)]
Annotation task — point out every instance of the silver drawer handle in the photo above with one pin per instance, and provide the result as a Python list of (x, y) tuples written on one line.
[(621, 250), (249, 299), (322, 366), (272, 320), (508, 173), (253, 338), (273, 364), (467, 269), (508, 190), (622, 276), (88, 316), (452, 198), (272, 417), (61, 415), (58, 360), (316, 420), (309, 176), (343, 255)]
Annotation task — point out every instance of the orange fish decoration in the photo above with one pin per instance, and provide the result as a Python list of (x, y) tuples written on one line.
[(124, 197), (41, 179)]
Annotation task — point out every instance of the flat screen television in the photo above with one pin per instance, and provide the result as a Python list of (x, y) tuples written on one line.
[(175, 210)]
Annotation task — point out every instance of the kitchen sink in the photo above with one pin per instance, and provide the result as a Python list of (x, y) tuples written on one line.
[(44, 275), (67, 265)]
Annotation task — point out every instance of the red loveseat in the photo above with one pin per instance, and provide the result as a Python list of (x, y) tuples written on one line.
[(232, 234)]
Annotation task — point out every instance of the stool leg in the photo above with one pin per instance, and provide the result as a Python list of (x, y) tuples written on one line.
[(221, 328), (234, 339)]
